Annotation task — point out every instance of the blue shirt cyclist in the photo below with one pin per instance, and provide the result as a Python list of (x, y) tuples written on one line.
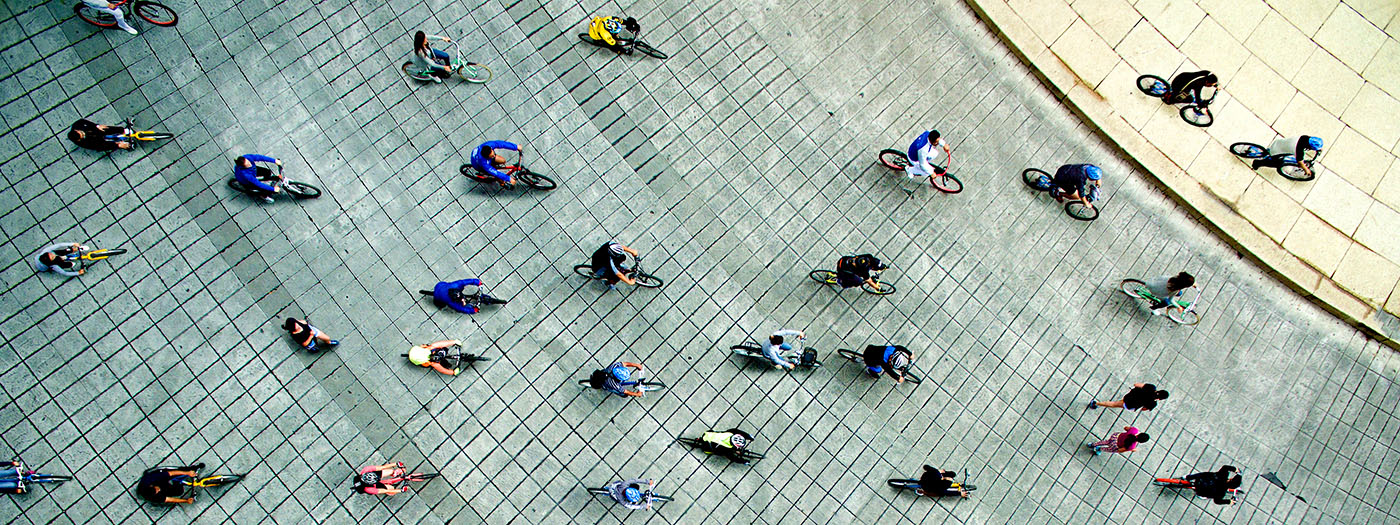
[(452, 294), (921, 154), (1077, 181), (486, 160), (887, 359), (251, 176), (616, 378)]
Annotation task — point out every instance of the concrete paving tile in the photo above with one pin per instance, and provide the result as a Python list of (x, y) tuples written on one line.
[(1337, 202), (1318, 243), (1148, 51), (1358, 160), (1220, 172), (1111, 19), (1365, 115), (1213, 48), (1376, 229), (1260, 89), (1307, 15), (1269, 209), (1303, 113), (1350, 37), (1175, 20), (1384, 70), (1388, 191), (1048, 19), (1367, 274), (1280, 45), (1340, 88), (1085, 53)]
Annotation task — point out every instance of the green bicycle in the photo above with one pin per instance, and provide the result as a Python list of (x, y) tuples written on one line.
[(1182, 312)]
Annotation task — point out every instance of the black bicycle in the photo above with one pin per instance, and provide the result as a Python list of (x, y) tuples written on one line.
[(743, 455), (636, 273), (859, 358), (646, 494), (454, 357), (803, 356), (478, 299), (1290, 169), (1039, 180), (516, 171), (1194, 112), (626, 45), (298, 190), (913, 484)]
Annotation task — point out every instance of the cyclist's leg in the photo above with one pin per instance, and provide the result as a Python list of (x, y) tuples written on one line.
[(441, 369), (116, 13), (11, 486)]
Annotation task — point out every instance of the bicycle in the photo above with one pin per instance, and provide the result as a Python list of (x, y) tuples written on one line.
[(453, 357), (743, 454), (626, 45), (646, 494), (803, 356), (1182, 483), (1185, 315), (636, 273), (298, 190), (140, 136), (1039, 180), (941, 180), (478, 299), (516, 171), (468, 71), (23, 474), (879, 288), (859, 358), (913, 484), (152, 12), (1194, 112), (640, 382), (1290, 168), (200, 482)]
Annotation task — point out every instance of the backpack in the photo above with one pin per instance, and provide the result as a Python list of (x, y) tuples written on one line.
[(598, 378)]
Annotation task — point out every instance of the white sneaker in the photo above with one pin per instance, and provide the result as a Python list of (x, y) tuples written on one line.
[(267, 200), (130, 29)]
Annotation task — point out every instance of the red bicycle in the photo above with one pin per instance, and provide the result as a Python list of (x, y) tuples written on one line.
[(152, 12), (516, 171), (1177, 483)]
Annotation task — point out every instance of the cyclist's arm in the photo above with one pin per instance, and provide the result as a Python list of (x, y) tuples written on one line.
[(500, 144), (254, 157)]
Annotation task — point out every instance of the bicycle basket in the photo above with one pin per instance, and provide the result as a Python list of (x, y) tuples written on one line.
[(809, 357)]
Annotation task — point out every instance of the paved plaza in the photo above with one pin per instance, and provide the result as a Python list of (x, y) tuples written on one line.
[(736, 166)]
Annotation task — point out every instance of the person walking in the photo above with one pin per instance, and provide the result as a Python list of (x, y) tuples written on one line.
[(1143, 396), (306, 335), (1120, 442)]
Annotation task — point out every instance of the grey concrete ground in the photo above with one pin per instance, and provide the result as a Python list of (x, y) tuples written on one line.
[(736, 166)]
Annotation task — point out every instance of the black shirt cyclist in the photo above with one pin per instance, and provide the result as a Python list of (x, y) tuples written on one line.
[(888, 359), (854, 270), (1216, 485)]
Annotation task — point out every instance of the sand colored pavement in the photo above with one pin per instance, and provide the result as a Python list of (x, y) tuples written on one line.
[(1287, 67)]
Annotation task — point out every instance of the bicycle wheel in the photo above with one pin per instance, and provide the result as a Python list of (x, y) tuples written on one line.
[(880, 288), (474, 73), (1185, 317), (157, 136), (894, 159), (414, 73), (603, 492), (233, 183), (1037, 179), (536, 181), (1133, 288), (660, 498), (909, 484), (823, 276), (646, 280), (474, 174), (156, 14), (1248, 150), (749, 455), (1081, 212), (946, 183), (1197, 116), (651, 386), (219, 480), (851, 355), (911, 377), (104, 253), (1171, 483), (1153, 85), (646, 48), (585, 270), (93, 16), (1295, 172), (49, 478), (302, 190), (747, 350)]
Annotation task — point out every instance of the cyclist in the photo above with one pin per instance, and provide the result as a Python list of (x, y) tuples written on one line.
[(306, 335), (486, 160), (1076, 181), (616, 378), (854, 270), (936, 483), (634, 493), (433, 61), (1216, 485), (888, 359), (114, 10), (1196, 87), (607, 263), (163, 485), (380, 479), (1168, 289), (250, 175), (61, 258), (452, 294), (429, 354), (921, 154), (616, 32), (727, 443), (1300, 150), (776, 345), (88, 134)]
